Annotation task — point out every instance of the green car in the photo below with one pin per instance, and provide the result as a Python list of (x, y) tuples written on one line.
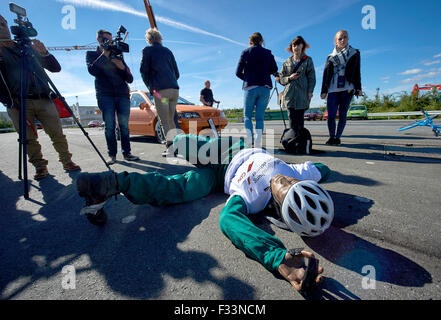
[(357, 112)]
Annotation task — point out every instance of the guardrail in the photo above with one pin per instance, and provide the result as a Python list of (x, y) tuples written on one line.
[(272, 115), (402, 114)]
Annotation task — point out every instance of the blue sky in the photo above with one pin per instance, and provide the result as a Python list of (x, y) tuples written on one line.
[(208, 36)]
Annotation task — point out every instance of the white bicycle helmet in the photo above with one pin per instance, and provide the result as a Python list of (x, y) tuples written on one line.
[(308, 209)]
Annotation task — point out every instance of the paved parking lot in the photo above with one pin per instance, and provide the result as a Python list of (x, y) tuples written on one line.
[(385, 186)]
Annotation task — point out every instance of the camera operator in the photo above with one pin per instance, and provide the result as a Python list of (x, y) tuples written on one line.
[(38, 103), (112, 76)]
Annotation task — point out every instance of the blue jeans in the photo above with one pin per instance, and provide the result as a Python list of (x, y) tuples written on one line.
[(338, 101), (120, 106), (258, 98)]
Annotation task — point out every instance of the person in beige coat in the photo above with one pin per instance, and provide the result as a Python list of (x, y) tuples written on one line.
[(299, 84)]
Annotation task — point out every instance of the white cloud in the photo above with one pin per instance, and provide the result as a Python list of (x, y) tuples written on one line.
[(411, 71), (371, 52), (432, 63), (428, 75), (437, 56), (121, 7)]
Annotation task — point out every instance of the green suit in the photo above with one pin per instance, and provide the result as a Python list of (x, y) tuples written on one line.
[(158, 189)]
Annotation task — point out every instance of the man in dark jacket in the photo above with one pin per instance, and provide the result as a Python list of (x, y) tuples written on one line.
[(38, 104), (255, 67), (160, 74), (113, 95)]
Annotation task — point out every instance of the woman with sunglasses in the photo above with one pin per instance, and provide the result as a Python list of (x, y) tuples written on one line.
[(341, 81)]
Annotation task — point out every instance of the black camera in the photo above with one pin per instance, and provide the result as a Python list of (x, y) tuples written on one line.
[(116, 46), (24, 29)]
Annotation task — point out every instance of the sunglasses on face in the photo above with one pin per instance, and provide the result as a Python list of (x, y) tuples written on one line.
[(342, 38)]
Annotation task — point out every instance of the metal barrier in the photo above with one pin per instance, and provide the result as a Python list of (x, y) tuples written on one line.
[(402, 114)]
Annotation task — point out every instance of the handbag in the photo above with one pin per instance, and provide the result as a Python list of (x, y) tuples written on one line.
[(62, 110)]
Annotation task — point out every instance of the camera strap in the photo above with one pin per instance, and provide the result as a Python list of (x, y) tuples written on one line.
[(297, 66), (91, 64)]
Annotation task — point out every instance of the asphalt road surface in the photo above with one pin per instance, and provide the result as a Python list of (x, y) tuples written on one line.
[(384, 242)]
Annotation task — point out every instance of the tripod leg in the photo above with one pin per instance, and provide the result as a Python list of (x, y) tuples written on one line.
[(58, 94), (20, 155), (22, 126)]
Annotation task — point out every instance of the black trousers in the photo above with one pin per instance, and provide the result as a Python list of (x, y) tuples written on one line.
[(296, 120)]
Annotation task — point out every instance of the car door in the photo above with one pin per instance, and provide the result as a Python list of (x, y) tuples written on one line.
[(140, 121)]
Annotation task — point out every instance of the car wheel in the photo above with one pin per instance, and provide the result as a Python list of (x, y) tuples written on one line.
[(160, 136)]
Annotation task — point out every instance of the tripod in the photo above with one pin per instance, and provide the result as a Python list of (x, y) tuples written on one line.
[(28, 64), (276, 90)]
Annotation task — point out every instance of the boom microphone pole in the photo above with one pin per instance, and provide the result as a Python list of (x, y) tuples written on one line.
[(151, 16)]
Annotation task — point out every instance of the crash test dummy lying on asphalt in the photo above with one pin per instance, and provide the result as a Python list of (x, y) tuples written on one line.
[(253, 178)]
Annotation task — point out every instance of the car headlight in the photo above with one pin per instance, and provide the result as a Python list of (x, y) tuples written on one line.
[(188, 115)]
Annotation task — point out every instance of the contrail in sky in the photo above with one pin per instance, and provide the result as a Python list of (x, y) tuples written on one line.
[(121, 7)]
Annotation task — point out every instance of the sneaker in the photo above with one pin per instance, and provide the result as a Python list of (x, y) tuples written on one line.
[(331, 141), (96, 188), (41, 173), (131, 157), (71, 166), (337, 141), (111, 160)]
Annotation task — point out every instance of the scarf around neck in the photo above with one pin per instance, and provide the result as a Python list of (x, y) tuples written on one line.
[(339, 58)]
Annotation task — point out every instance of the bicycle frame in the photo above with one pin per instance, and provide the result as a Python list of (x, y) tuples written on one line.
[(428, 122)]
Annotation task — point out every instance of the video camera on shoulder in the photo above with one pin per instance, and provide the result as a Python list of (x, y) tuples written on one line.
[(116, 46), (24, 29)]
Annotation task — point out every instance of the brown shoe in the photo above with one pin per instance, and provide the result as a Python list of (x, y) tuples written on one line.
[(41, 173), (71, 166)]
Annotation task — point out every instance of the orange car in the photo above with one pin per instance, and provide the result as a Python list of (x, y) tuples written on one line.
[(144, 118)]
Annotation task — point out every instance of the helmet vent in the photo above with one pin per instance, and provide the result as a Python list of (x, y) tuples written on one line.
[(310, 202), (310, 190), (297, 199), (321, 189), (310, 217), (324, 207), (294, 216)]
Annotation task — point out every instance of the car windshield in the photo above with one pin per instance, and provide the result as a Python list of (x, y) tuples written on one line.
[(180, 100), (361, 108), (183, 101)]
